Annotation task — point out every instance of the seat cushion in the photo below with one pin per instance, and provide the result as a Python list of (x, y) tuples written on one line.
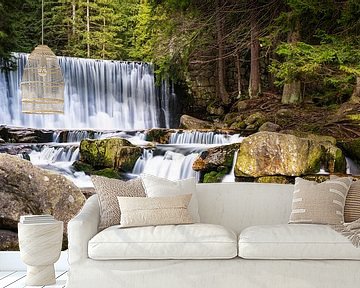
[(192, 241), (295, 241)]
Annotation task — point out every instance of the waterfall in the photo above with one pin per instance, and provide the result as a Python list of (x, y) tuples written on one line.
[(171, 165), (351, 167), (52, 154), (196, 137), (230, 177), (99, 94)]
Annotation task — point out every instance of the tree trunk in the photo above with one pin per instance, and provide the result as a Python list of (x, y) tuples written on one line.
[(255, 80), (292, 90), (73, 17), (355, 97), (238, 69), (224, 96)]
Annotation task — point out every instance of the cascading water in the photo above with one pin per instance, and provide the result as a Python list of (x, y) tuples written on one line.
[(99, 94), (196, 137)]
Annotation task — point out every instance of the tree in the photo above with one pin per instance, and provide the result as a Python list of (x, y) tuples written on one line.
[(255, 80)]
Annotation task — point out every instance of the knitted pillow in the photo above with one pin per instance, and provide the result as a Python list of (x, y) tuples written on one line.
[(320, 203), (107, 190)]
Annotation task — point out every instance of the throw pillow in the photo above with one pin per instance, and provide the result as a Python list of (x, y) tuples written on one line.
[(320, 203), (107, 190), (352, 202), (159, 187), (139, 211)]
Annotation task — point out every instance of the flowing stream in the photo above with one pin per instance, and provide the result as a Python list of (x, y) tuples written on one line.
[(172, 161)]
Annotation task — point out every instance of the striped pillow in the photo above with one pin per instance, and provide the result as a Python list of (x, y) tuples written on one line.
[(352, 203), (320, 203)]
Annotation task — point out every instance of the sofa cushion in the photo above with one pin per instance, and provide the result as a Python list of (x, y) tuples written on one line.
[(192, 241), (159, 187), (295, 241)]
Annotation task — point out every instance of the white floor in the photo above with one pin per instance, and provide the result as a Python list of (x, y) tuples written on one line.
[(13, 271)]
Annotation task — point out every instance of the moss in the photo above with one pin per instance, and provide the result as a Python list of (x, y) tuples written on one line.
[(215, 176), (107, 172), (351, 149), (109, 153), (316, 154), (354, 117), (81, 166), (274, 179), (158, 135)]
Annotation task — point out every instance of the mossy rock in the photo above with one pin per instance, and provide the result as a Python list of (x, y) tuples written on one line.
[(114, 153), (81, 166), (215, 176), (351, 149), (317, 177), (274, 179), (230, 118), (107, 172), (271, 154), (256, 119), (334, 159), (158, 135), (238, 125), (353, 117)]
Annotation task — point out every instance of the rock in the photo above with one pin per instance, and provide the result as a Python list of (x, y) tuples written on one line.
[(238, 125), (284, 113), (8, 241), (351, 149), (334, 159), (14, 149), (231, 117), (27, 189), (189, 122), (274, 179), (25, 135), (311, 136), (215, 176), (270, 154), (257, 119), (2, 141), (215, 109), (115, 153), (242, 105), (317, 177), (159, 135), (213, 158), (270, 127)]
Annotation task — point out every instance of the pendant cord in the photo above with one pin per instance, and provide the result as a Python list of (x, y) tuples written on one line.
[(42, 22)]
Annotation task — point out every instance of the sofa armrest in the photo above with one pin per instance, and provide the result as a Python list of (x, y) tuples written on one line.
[(82, 228)]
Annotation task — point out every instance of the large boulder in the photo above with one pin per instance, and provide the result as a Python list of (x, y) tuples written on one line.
[(270, 153), (189, 122), (159, 135), (116, 153), (27, 189)]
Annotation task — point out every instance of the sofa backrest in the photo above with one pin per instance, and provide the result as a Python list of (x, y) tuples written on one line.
[(239, 205)]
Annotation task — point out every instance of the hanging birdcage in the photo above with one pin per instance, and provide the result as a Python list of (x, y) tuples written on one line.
[(42, 85)]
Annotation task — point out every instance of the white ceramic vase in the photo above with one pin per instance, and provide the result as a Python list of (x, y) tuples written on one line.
[(40, 247)]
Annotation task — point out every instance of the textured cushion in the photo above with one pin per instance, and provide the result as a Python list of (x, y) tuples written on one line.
[(143, 211), (107, 190), (159, 187), (352, 202), (192, 241), (301, 241), (321, 203)]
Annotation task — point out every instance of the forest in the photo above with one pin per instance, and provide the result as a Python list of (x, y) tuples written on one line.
[(311, 49)]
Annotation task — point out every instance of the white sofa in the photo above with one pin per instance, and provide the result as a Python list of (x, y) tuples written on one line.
[(277, 254)]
